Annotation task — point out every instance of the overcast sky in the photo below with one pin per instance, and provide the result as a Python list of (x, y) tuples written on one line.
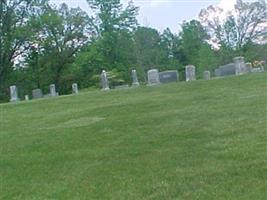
[(161, 14)]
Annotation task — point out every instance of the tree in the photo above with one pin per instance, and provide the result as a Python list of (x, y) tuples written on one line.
[(147, 49), (60, 34), (193, 35), (113, 23), (244, 25), (15, 33)]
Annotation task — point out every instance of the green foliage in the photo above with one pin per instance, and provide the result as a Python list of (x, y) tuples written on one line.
[(194, 48), (42, 44), (60, 34), (207, 59), (15, 34)]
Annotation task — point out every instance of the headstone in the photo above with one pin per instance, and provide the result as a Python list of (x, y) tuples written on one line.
[(169, 76), (53, 92), (256, 70), (262, 65), (206, 75), (240, 66), (217, 72), (27, 98), (75, 88), (13, 93), (249, 67), (37, 94), (190, 73), (225, 70), (153, 77), (104, 80), (135, 78)]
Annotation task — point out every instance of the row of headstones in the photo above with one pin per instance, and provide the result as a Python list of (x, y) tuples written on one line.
[(155, 77), (37, 93), (105, 82), (238, 67)]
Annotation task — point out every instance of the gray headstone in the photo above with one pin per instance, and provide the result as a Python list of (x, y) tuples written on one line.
[(169, 76), (37, 94), (75, 89), (225, 70), (206, 75), (240, 66), (153, 77), (13, 93), (190, 73), (135, 78), (104, 80), (249, 67), (27, 98), (53, 92), (217, 72)]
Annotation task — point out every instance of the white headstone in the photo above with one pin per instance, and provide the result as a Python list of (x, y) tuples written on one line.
[(75, 88), (135, 78), (249, 67), (53, 92), (13, 93), (153, 77), (240, 66), (190, 73), (27, 98), (206, 75), (104, 80)]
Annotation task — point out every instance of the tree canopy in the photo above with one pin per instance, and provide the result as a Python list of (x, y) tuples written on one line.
[(41, 43)]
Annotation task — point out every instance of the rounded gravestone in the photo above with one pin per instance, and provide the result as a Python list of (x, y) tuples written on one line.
[(75, 88), (206, 75), (153, 77), (190, 73), (53, 92)]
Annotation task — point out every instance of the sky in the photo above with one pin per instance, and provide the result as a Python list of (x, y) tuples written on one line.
[(161, 14)]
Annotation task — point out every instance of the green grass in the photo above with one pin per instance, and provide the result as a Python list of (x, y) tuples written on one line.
[(198, 140)]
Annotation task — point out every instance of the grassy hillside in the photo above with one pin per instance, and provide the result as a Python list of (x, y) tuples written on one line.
[(199, 140)]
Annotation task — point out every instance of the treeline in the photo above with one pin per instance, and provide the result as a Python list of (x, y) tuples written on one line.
[(42, 44)]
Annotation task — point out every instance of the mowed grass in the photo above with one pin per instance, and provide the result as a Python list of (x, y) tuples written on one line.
[(197, 140)]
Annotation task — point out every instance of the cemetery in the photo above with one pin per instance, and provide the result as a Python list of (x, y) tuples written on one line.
[(154, 77), (133, 99), (111, 143)]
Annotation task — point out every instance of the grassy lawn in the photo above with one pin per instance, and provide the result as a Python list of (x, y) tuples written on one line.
[(198, 140)]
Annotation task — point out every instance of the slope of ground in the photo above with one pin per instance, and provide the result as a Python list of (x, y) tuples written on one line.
[(198, 140)]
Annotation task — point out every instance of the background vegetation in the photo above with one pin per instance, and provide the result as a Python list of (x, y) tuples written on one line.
[(42, 44)]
